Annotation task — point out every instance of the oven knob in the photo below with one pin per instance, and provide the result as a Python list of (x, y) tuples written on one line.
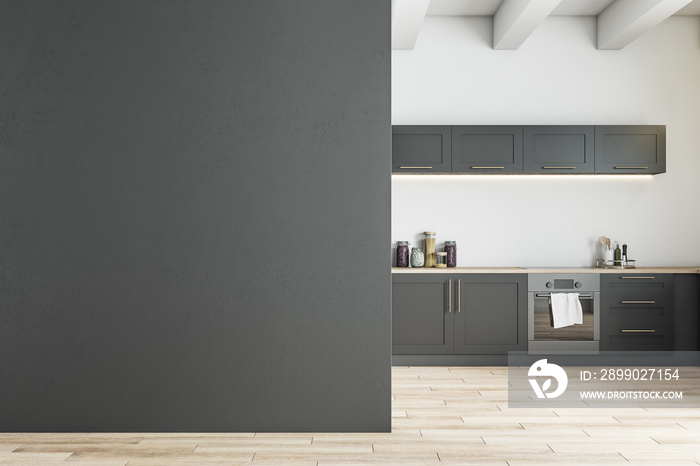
[(549, 284), (578, 285)]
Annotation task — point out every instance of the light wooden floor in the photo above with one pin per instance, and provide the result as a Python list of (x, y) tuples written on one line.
[(441, 416)]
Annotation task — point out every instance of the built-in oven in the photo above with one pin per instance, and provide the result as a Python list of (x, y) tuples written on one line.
[(542, 335)]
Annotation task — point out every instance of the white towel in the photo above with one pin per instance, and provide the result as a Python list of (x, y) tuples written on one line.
[(566, 309)]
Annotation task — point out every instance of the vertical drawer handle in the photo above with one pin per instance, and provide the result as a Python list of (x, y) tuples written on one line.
[(449, 292), (459, 295), (637, 331), (410, 168), (637, 302), (637, 278)]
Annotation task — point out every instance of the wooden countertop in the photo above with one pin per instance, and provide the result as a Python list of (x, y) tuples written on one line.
[(638, 270)]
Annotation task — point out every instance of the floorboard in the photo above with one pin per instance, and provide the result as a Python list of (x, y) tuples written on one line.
[(456, 416)]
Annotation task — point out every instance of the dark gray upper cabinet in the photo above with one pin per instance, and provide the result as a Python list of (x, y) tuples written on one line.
[(487, 149), (491, 312), (558, 149), (421, 149), (529, 149), (421, 314), (630, 149)]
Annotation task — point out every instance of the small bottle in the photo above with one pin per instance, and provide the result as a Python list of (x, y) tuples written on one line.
[(451, 250), (402, 253), (618, 255)]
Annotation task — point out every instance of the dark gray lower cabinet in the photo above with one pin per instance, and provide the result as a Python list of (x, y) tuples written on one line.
[(490, 314), (463, 314), (421, 314), (686, 311), (637, 312)]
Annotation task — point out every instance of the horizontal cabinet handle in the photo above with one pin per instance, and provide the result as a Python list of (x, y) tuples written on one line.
[(630, 168), (638, 302), (560, 168), (409, 168), (489, 168), (637, 278), (638, 331)]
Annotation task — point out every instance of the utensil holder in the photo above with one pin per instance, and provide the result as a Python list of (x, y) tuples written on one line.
[(608, 257)]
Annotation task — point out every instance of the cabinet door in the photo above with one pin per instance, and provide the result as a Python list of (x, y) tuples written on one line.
[(487, 149), (558, 149), (422, 317), (636, 312), (630, 149), (421, 149), (491, 313), (686, 311)]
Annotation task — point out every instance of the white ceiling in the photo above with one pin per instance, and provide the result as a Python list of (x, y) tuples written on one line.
[(565, 8), (619, 22)]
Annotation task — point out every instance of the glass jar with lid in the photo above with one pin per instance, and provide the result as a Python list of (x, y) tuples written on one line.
[(402, 253), (451, 250), (429, 248), (441, 259), (417, 257)]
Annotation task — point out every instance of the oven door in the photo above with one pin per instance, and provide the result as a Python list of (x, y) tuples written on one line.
[(544, 324), (543, 336)]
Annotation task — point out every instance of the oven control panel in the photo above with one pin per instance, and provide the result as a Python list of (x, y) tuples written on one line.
[(563, 282)]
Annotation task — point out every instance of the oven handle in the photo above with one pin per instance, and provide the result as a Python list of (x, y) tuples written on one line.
[(580, 295)]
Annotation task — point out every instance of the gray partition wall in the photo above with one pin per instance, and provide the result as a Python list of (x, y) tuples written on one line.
[(194, 215)]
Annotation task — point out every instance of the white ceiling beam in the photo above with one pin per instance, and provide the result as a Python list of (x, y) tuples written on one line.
[(406, 20), (625, 20), (515, 20)]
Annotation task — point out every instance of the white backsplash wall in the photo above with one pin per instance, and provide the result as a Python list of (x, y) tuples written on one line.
[(454, 77)]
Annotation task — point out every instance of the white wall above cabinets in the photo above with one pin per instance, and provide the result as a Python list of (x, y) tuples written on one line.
[(557, 77)]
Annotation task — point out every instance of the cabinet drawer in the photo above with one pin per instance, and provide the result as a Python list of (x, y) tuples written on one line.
[(636, 286), (641, 325), (623, 308), (658, 340)]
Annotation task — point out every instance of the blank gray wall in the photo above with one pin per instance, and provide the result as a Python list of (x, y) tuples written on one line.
[(194, 215)]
